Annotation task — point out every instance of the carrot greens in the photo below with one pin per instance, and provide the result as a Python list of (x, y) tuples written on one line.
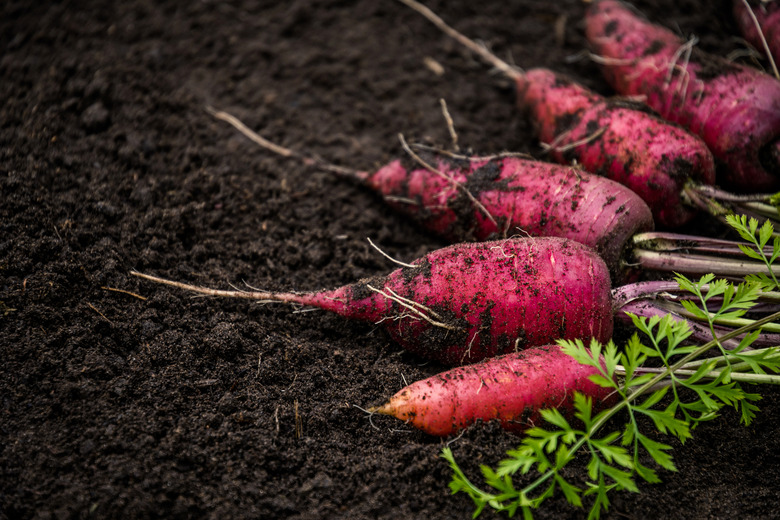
[(658, 375), (749, 231)]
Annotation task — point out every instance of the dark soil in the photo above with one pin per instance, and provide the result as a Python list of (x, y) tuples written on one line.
[(113, 406)]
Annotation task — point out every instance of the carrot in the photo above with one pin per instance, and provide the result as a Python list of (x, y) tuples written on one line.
[(759, 23), (511, 389), (735, 109), (515, 387), (471, 198), (616, 138), (467, 302), (516, 194), (471, 301), (635, 148), (478, 198)]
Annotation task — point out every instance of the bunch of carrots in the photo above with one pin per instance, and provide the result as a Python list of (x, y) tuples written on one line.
[(496, 305)]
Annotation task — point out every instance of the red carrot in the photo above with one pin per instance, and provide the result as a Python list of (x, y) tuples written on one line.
[(514, 388), (735, 109), (619, 140), (471, 198), (615, 138), (471, 301), (511, 389), (518, 195), (468, 302)]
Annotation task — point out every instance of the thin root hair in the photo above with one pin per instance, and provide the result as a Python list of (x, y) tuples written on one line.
[(451, 441), (370, 416), (412, 307), (472, 158), (397, 317), (280, 150), (686, 48), (257, 296), (553, 146), (762, 38), (603, 60), (480, 50), (450, 124), (388, 256)]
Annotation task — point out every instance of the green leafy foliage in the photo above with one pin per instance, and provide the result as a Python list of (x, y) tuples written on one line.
[(680, 389), (759, 238)]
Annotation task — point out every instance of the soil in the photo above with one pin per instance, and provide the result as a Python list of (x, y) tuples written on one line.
[(123, 399)]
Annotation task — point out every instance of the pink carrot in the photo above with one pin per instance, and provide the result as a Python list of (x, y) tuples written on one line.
[(511, 389), (465, 198), (516, 195), (471, 198), (618, 139), (472, 301), (467, 302)]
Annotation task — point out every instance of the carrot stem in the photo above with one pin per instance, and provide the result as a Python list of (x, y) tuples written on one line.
[(719, 203), (714, 374), (728, 357), (699, 264)]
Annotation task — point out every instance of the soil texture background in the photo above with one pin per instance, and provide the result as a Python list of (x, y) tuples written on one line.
[(173, 406)]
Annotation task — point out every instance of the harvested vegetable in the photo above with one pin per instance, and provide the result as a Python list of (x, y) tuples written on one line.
[(472, 301), (686, 389), (477, 198), (480, 198), (468, 302), (735, 109), (615, 138), (513, 389)]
